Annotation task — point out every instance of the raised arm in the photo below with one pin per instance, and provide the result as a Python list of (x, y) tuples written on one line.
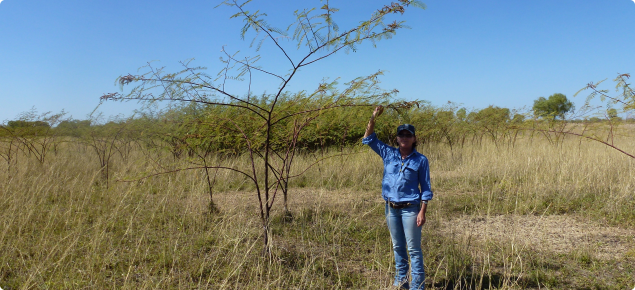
[(371, 124)]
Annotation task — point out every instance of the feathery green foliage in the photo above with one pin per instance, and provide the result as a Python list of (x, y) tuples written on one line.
[(267, 130)]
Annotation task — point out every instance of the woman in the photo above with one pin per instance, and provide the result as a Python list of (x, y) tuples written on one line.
[(406, 190)]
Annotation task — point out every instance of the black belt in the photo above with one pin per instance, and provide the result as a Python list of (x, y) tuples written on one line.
[(400, 205)]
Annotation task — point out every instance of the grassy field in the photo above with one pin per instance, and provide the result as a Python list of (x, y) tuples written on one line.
[(536, 215)]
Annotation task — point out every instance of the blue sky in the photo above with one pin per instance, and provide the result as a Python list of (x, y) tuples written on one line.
[(58, 55)]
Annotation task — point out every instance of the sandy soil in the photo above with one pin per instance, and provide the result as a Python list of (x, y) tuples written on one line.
[(555, 234)]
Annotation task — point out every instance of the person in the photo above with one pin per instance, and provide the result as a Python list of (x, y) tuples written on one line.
[(406, 190)]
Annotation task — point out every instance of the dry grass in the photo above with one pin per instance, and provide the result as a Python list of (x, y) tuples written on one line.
[(551, 234), (532, 216)]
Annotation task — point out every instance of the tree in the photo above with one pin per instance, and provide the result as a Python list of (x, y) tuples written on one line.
[(518, 118), (34, 132), (461, 114), (272, 144), (74, 128), (493, 120), (9, 148), (105, 140), (612, 114), (556, 106), (43, 125), (626, 98)]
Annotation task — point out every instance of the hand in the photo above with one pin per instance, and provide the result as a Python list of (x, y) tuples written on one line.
[(378, 110), (421, 218)]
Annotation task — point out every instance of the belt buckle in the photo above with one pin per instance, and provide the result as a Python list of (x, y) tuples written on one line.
[(398, 205)]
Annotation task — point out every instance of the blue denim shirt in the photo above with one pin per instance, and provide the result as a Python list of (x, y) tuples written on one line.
[(402, 178)]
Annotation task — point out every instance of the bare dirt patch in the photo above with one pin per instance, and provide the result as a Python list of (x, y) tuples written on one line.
[(551, 234), (344, 199), (556, 234)]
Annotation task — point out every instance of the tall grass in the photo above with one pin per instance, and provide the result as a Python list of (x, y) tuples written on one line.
[(61, 228)]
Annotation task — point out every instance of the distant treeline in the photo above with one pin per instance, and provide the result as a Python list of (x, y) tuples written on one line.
[(213, 128)]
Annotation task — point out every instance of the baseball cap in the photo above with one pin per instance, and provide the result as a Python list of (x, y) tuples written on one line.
[(406, 127)]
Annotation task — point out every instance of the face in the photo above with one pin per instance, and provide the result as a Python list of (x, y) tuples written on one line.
[(405, 139)]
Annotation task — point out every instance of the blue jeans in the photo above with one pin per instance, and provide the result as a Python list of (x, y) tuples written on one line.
[(404, 231)]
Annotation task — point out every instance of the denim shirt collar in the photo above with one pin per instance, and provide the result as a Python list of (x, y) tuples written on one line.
[(414, 151)]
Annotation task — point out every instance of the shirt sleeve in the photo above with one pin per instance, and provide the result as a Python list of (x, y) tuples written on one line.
[(424, 180), (379, 147)]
